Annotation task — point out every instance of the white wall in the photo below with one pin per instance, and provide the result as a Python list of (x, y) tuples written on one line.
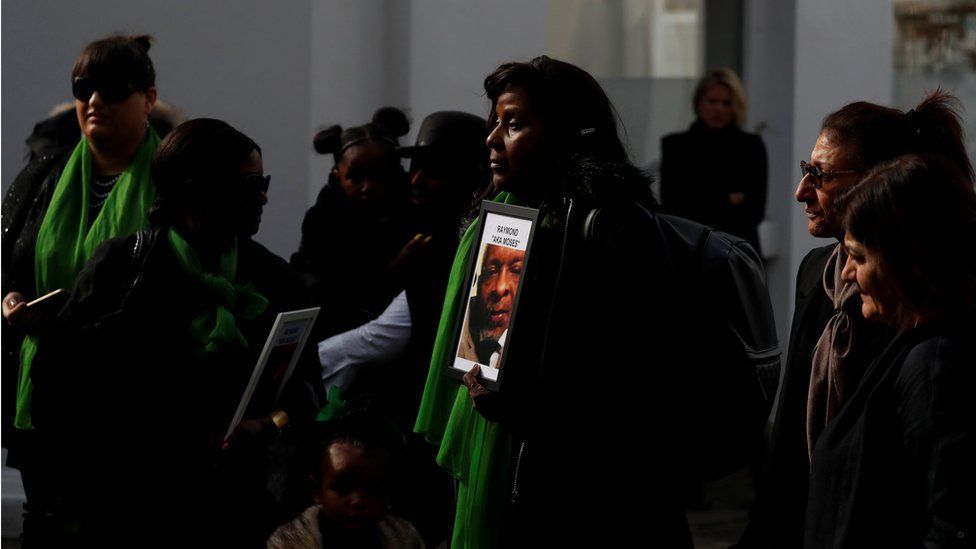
[(804, 60), (422, 56), (839, 59), (455, 45), (348, 61), (243, 61), (767, 75)]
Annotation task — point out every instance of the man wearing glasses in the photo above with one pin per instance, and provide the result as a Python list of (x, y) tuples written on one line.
[(780, 510)]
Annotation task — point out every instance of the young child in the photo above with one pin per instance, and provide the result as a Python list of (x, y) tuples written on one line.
[(354, 463)]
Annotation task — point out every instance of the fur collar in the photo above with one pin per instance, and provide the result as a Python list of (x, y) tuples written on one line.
[(588, 180)]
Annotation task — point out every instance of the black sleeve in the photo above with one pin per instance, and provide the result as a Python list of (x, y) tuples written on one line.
[(676, 191), (937, 411), (24, 207), (313, 230), (754, 207), (23, 210)]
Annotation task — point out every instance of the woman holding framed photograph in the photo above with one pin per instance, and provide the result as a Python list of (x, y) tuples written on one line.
[(522, 456)]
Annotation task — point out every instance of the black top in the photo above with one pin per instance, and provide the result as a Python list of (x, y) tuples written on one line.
[(897, 466), (702, 166)]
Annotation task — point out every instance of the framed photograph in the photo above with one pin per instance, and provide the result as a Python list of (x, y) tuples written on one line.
[(488, 318), (275, 363)]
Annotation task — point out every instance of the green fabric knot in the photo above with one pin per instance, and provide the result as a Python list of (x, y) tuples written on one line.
[(223, 290), (335, 406), (217, 328)]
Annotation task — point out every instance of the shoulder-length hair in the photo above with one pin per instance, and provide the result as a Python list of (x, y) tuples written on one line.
[(577, 114), (580, 128), (918, 212)]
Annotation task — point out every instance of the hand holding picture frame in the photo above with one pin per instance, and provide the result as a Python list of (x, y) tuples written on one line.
[(487, 321), (277, 360)]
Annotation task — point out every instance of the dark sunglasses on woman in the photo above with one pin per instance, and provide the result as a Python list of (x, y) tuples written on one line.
[(111, 90), (255, 184)]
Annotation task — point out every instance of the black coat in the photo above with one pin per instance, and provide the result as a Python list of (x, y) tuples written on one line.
[(120, 375), (589, 381), (778, 516), (24, 207), (897, 466), (700, 167)]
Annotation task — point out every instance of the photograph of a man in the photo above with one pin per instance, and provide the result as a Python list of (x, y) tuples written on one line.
[(486, 323)]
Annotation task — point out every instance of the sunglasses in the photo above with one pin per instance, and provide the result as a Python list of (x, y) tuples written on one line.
[(110, 90), (818, 174), (254, 183)]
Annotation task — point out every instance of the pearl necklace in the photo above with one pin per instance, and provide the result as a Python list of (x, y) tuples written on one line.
[(100, 191)]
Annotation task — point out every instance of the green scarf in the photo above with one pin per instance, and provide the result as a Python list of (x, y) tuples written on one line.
[(476, 451), (216, 328), (67, 236), (334, 407)]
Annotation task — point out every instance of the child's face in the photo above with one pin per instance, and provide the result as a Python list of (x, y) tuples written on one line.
[(368, 174), (355, 486)]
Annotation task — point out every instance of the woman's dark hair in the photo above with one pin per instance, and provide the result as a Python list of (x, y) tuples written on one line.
[(580, 128), (116, 56), (387, 125), (872, 134), (575, 111), (919, 213), (192, 161)]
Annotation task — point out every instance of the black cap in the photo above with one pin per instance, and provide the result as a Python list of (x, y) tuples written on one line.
[(452, 137)]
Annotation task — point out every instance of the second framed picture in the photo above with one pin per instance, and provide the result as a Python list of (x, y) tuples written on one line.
[(488, 318)]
